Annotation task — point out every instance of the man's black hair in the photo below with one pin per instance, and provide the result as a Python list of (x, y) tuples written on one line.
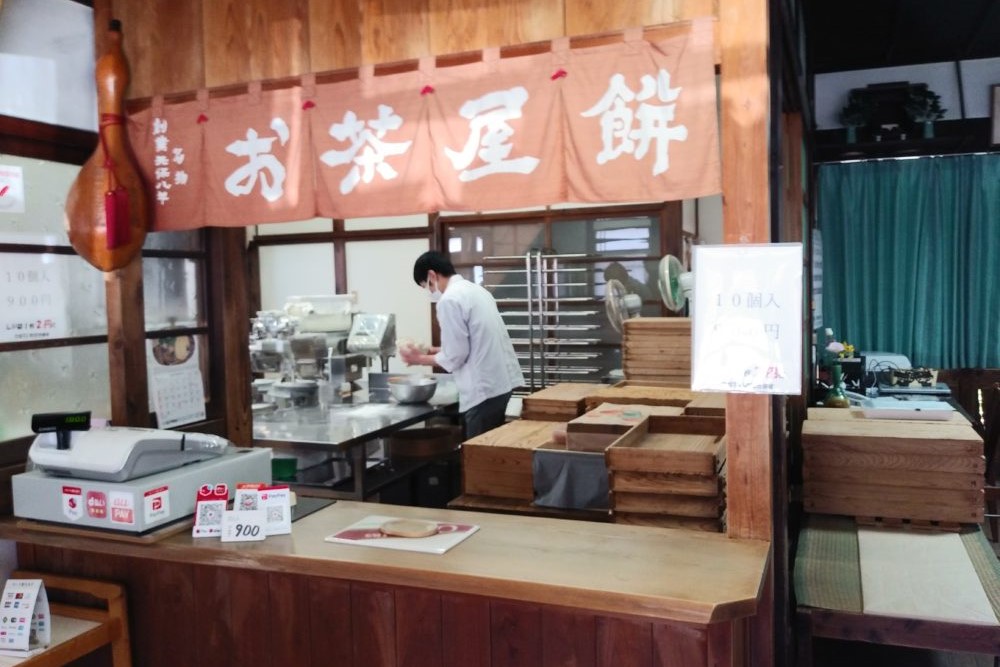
[(432, 261)]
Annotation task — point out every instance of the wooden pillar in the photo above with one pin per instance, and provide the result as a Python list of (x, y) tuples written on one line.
[(745, 122), (229, 320), (127, 345), (746, 219)]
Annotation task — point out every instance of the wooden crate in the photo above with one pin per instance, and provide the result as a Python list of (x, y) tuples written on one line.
[(657, 349), (675, 445), (670, 470), (914, 471), (498, 463), (595, 430), (560, 402)]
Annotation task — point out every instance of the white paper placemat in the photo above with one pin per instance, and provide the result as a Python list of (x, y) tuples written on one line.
[(366, 533)]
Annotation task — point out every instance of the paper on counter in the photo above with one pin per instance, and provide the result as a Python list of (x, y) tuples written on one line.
[(366, 533)]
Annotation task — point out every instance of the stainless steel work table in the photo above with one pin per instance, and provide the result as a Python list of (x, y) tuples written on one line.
[(342, 431)]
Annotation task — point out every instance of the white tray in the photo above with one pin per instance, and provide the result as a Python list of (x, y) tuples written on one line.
[(891, 408)]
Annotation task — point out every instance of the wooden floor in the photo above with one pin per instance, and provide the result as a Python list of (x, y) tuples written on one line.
[(833, 653)]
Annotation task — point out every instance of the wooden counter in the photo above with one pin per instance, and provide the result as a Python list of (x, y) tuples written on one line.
[(509, 580)]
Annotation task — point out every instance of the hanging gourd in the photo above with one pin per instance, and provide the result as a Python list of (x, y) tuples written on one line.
[(107, 210)]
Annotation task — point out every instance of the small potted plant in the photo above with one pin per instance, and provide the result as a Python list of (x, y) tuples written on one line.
[(856, 113), (923, 106)]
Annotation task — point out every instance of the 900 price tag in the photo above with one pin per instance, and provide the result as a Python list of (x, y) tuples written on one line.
[(244, 526)]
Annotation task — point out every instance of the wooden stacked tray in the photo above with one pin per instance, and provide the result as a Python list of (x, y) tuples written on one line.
[(669, 472), (639, 393), (498, 463), (560, 402), (596, 429), (657, 349), (924, 473)]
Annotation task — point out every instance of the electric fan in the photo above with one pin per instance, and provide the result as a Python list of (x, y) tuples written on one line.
[(619, 304), (676, 284)]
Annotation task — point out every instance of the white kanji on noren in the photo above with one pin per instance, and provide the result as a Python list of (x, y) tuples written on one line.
[(261, 165), (368, 150), (162, 157), (624, 130), (489, 134)]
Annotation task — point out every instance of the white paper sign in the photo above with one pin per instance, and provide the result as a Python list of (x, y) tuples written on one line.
[(11, 189), (747, 319), (25, 624), (32, 298), (244, 525)]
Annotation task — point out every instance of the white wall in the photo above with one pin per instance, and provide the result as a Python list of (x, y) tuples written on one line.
[(294, 270), (942, 78), (705, 217), (47, 62), (381, 272)]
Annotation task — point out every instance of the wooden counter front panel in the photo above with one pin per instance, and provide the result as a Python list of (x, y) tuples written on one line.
[(186, 614)]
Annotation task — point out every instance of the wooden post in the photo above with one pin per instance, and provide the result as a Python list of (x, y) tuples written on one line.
[(745, 122), (746, 219), (230, 331), (127, 345)]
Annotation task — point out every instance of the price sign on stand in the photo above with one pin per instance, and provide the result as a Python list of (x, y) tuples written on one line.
[(244, 525), (25, 625), (210, 505)]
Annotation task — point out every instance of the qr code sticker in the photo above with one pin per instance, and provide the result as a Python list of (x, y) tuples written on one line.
[(275, 514), (248, 500), (210, 513)]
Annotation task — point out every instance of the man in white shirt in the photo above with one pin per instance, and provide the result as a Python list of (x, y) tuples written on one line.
[(475, 347)]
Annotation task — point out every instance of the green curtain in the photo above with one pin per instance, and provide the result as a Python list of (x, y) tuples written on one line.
[(911, 257)]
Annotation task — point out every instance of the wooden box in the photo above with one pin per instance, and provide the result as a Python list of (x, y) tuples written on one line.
[(498, 463), (596, 429), (669, 471), (657, 349), (675, 445), (560, 402), (919, 471)]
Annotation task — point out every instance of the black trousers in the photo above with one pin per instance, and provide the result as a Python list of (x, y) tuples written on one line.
[(486, 416)]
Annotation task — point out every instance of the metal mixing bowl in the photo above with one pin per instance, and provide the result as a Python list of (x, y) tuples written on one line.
[(414, 389)]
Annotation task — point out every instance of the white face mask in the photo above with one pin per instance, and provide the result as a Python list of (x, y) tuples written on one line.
[(435, 292)]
